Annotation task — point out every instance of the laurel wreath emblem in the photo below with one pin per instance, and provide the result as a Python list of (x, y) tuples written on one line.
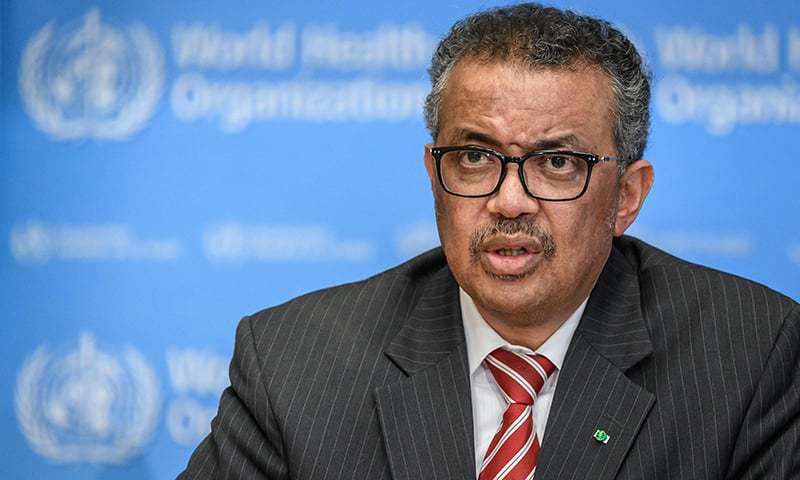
[(140, 388), (145, 71)]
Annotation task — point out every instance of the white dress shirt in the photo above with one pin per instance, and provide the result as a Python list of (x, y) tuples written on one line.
[(488, 404)]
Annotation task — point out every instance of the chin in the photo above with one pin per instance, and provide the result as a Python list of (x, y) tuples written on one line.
[(509, 278), (520, 295)]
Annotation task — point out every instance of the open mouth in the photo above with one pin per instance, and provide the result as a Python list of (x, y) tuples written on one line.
[(510, 252), (509, 257)]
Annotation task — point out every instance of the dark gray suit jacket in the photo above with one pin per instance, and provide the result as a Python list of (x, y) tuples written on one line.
[(693, 373)]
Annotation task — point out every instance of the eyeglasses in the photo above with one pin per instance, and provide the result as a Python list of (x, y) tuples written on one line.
[(552, 175)]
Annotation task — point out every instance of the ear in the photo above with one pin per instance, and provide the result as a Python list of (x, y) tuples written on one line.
[(634, 186)]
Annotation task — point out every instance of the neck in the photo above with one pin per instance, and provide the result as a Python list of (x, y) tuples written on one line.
[(528, 329)]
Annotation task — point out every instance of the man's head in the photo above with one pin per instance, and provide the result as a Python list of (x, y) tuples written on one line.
[(522, 79), (539, 37)]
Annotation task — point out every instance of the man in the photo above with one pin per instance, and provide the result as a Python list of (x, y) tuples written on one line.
[(539, 339)]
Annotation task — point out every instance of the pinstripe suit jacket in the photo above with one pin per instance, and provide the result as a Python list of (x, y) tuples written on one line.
[(693, 373)]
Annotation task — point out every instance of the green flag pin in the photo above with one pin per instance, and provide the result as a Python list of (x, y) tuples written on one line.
[(601, 436)]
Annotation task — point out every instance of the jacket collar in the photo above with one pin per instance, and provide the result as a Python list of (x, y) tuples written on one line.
[(434, 328), (613, 322)]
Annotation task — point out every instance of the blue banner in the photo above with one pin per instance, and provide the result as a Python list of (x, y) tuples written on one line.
[(169, 167)]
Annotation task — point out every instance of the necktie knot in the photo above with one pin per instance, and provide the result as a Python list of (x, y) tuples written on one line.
[(519, 376)]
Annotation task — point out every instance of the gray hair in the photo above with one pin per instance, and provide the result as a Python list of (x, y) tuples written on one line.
[(537, 36)]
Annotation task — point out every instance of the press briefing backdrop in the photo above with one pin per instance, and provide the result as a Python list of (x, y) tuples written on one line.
[(168, 167)]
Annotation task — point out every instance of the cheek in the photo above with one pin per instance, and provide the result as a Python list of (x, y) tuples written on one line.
[(584, 237), (595, 213), (580, 229), (456, 220)]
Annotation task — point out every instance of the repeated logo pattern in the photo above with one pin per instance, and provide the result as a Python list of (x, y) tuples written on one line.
[(86, 404), (91, 80)]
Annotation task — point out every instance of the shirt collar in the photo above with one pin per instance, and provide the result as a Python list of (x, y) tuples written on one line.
[(482, 339)]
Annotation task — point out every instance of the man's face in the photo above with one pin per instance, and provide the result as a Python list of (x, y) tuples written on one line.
[(525, 261)]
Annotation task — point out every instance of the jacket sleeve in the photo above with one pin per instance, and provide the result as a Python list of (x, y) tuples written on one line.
[(768, 443), (245, 441)]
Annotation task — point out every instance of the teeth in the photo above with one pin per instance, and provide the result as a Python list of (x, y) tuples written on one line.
[(510, 252)]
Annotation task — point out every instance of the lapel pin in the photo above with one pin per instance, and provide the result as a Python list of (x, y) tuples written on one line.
[(601, 436)]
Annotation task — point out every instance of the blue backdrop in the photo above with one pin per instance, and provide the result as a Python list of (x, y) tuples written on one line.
[(168, 167)]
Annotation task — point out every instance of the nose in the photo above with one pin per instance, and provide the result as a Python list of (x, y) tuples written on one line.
[(511, 200)]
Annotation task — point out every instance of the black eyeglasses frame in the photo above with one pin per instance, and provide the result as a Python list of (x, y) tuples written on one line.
[(591, 160)]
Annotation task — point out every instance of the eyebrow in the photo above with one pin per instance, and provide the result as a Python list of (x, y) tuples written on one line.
[(552, 143)]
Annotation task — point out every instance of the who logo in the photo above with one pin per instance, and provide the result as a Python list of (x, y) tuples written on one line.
[(87, 79), (85, 404)]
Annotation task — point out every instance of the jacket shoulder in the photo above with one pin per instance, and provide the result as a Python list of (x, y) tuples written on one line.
[(365, 311), (663, 268)]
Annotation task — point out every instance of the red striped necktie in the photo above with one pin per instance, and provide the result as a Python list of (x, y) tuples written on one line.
[(512, 453)]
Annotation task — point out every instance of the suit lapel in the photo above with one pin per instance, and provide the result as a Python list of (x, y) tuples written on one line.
[(593, 391), (426, 417)]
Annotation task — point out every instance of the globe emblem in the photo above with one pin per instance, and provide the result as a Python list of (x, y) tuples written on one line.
[(89, 80), (86, 404)]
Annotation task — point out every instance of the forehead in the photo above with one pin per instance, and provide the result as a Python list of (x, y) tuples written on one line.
[(519, 106)]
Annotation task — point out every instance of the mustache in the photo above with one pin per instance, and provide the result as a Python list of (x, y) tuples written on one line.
[(511, 226)]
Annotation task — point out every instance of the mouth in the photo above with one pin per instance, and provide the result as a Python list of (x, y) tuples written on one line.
[(511, 257), (510, 252), (511, 249)]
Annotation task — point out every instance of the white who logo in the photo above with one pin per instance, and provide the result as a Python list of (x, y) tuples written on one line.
[(90, 80), (86, 404)]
